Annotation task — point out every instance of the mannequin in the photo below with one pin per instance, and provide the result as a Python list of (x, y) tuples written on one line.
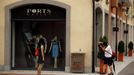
[(55, 47)]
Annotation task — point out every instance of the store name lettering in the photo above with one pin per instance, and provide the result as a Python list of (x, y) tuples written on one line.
[(38, 12)]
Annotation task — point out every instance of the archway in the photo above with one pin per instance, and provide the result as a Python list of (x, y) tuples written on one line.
[(33, 20), (8, 46), (97, 32)]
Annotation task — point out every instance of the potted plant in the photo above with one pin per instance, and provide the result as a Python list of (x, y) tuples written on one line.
[(101, 53), (120, 51), (130, 47)]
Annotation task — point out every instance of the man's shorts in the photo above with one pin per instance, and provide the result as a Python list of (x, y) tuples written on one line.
[(108, 61)]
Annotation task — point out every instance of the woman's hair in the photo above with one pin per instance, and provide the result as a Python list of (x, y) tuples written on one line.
[(41, 42)]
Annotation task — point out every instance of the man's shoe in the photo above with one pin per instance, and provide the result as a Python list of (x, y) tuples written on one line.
[(103, 73)]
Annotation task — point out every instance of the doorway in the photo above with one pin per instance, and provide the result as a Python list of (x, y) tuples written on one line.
[(97, 33)]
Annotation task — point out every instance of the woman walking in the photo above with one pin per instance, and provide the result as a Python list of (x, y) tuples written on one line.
[(41, 57)]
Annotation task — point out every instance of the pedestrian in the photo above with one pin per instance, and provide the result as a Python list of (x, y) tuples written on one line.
[(41, 56), (101, 57), (107, 57)]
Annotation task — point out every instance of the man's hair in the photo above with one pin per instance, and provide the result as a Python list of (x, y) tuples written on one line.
[(105, 43)]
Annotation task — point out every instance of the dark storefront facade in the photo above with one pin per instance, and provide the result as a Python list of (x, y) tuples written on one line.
[(33, 20)]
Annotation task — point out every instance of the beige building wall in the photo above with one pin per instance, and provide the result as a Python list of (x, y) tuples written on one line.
[(80, 28), (3, 3)]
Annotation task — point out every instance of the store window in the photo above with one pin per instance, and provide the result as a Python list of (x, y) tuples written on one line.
[(30, 21)]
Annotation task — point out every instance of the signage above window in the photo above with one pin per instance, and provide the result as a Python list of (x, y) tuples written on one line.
[(38, 11)]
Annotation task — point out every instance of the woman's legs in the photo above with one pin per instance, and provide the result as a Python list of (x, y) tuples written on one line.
[(111, 70), (36, 62), (39, 68), (110, 67)]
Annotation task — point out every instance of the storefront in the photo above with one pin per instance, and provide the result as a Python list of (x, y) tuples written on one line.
[(30, 21), (29, 18)]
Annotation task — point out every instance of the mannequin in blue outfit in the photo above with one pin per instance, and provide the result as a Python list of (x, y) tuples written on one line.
[(55, 48)]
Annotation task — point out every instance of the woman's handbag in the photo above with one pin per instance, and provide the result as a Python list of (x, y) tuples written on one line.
[(36, 52), (113, 55)]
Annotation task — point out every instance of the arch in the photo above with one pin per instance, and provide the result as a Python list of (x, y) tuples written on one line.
[(98, 5), (97, 30), (50, 2), (98, 10), (7, 50)]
